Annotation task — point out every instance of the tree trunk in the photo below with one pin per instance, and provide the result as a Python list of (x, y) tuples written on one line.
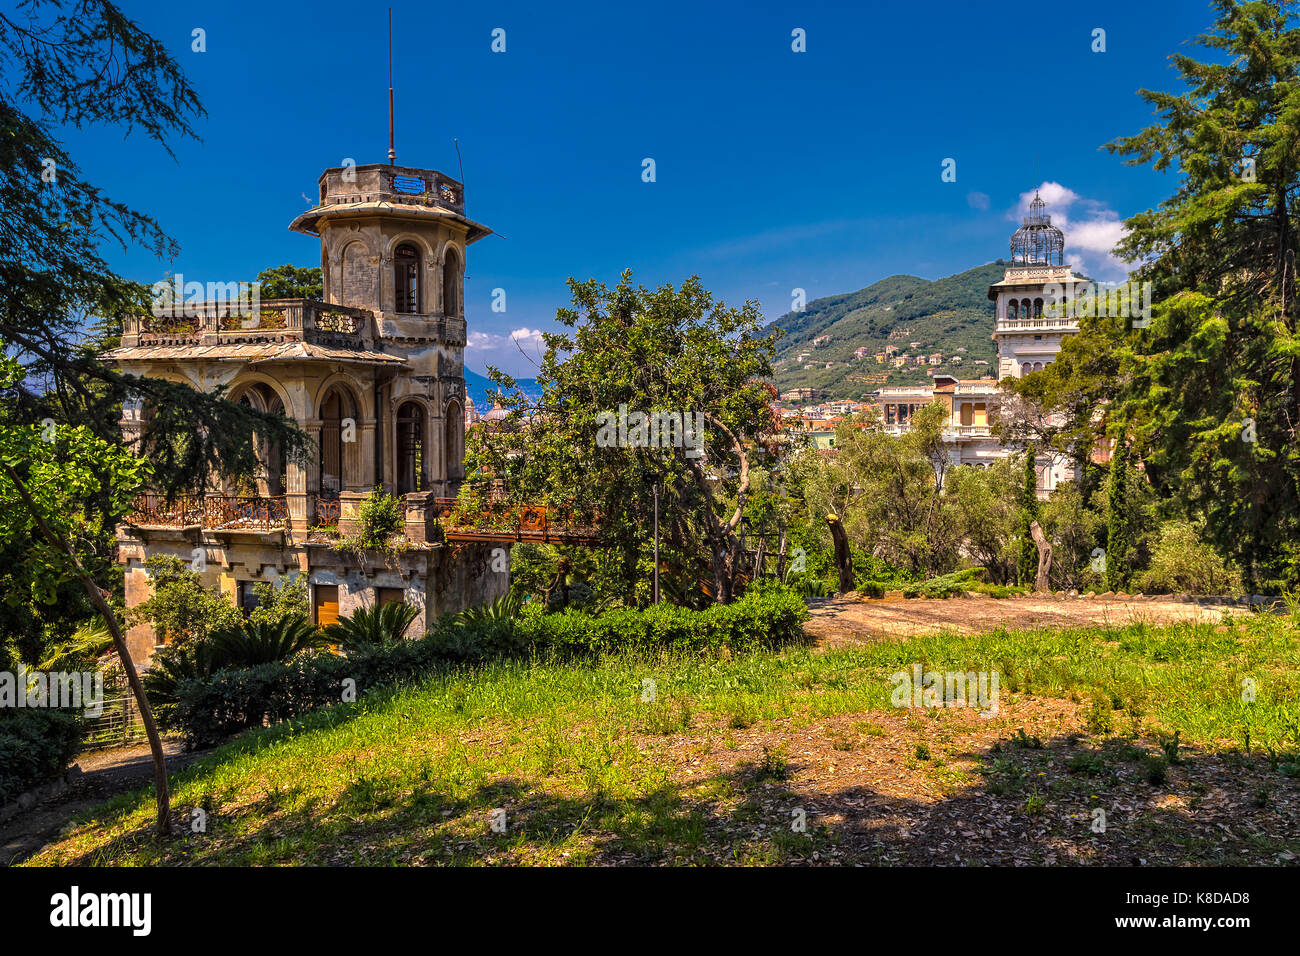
[(1043, 584), (843, 559), (119, 643), (780, 559), (721, 534)]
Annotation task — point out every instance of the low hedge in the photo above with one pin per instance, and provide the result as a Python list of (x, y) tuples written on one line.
[(36, 746), (765, 617), (208, 710)]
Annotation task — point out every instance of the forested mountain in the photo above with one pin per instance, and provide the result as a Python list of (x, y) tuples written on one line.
[(944, 315)]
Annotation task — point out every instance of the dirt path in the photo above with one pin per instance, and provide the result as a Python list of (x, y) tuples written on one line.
[(843, 621), (104, 773)]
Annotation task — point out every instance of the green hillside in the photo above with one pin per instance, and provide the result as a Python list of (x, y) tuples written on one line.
[(944, 315)]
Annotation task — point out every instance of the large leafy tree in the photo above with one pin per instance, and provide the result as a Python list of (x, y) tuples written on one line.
[(1208, 395), (1213, 390), (78, 63), (290, 282), (647, 351), (889, 490), (1028, 508)]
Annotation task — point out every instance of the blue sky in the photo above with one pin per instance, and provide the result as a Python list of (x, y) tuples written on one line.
[(775, 170)]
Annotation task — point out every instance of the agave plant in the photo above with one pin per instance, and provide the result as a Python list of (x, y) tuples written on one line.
[(504, 608), (372, 626)]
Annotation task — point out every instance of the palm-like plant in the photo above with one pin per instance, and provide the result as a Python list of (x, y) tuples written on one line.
[(262, 642), (504, 608), (88, 643), (372, 626), (176, 663), (247, 645)]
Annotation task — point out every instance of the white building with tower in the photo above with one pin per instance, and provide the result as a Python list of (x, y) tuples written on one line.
[(1028, 333)]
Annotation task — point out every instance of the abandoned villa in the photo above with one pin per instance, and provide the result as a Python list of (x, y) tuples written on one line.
[(374, 374)]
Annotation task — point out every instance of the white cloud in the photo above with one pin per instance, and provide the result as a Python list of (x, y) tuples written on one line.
[(1092, 229), (977, 200), (488, 348)]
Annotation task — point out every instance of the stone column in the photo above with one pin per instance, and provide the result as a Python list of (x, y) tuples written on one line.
[(353, 477), (367, 450), (418, 527)]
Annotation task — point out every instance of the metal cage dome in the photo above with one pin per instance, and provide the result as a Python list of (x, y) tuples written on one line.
[(1038, 242)]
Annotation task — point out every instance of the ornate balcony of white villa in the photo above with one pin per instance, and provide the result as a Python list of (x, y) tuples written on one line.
[(958, 432), (1038, 324)]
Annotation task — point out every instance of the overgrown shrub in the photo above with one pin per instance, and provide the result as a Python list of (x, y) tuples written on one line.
[(380, 520), (379, 517), (213, 706), (35, 747), (248, 644), (1182, 563), (180, 607), (280, 600), (767, 616), (945, 585)]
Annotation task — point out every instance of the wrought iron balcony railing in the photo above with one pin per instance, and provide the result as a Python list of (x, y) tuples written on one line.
[(210, 512)]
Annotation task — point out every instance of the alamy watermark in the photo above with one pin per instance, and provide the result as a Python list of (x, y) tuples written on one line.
[(1121, 300), (80, 690), (624, 429), (922, 688), (176, 298)]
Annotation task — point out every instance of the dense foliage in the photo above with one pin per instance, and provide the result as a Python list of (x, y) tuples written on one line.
[(213, 706), (35, 747), (1207, 396), (632, 353)]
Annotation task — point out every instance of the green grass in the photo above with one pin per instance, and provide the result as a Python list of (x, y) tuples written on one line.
[(588, 772)]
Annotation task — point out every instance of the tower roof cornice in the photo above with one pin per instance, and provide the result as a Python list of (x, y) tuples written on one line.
[(381, 189)]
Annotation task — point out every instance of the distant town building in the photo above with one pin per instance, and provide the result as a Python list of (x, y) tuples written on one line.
[(801, 395)]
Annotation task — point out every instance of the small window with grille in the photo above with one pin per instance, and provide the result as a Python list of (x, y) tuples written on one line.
[(406, 279)]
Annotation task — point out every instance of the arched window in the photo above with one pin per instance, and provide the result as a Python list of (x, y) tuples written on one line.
[(454, 442), (451, 284), (406, 279), (1038, 366), (411, 460), (1026, 368), (1038, 308), (273, 478), (1013, 309), (338, 427)]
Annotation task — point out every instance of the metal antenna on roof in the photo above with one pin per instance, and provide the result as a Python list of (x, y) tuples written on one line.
[(459, 160), (392, 153)]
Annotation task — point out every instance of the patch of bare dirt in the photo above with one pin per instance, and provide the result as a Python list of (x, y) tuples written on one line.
[(948, 787), (846, 620), (103, 774)]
